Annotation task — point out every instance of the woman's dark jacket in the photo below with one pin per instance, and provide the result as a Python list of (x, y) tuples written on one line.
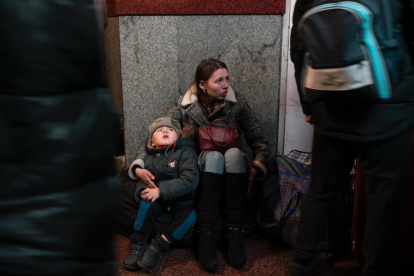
[(365, 121), (175, 171), (57, 174), (235, 110)]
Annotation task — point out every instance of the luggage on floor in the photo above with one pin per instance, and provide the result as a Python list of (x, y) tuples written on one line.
[(406, 245), (283, 190)]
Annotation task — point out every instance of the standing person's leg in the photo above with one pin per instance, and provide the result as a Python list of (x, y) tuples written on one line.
[(237, 180), (142, 228), (332, 161), (184, 217), (385, 165), (208, 207)]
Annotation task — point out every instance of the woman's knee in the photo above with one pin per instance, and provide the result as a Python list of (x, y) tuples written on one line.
[(213, 162), (234, 161)]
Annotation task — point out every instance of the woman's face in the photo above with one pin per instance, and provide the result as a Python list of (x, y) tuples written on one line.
[(217, 85)]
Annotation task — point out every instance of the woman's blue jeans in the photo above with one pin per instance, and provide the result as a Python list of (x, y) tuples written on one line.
[(233, 161)]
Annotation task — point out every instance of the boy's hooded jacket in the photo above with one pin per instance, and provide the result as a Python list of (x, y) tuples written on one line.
[(175, 171)]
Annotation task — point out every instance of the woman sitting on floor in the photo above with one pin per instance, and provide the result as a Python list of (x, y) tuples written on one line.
[(232, 174)]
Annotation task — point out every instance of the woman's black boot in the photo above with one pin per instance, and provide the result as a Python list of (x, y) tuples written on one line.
[(153, 253), (236, 195), (136, 249), (207, 251), (208, 209), (235, 247)]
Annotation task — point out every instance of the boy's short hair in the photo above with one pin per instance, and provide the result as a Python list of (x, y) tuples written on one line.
[(160, 122)]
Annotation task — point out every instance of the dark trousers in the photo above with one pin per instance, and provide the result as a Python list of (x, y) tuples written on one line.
[(184, 218), (385, 165)]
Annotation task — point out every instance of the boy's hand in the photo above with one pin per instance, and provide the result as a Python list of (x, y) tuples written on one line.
[(150, 194), (145, 176)]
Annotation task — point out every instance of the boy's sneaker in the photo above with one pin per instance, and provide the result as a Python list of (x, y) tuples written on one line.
[(153, 253), (136, 249), (304, 267)]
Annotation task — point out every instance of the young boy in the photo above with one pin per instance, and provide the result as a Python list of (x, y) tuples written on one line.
[(173, 163)]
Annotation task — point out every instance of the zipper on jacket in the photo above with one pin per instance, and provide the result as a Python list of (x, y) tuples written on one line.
[(153, 164)]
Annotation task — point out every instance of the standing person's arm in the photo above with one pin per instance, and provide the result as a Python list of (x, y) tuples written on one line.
[(297, 53), (409, 26), (408, 22)]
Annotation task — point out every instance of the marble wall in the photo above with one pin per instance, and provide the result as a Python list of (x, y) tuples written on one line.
[(159, 55)]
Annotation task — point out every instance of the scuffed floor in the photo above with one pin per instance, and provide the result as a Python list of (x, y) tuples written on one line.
[(263, 258)]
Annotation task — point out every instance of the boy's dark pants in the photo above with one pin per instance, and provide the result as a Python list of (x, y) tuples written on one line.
[(385, 165), (184, 218)]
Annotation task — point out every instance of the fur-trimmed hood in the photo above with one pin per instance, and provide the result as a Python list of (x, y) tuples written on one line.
[(191, 96)]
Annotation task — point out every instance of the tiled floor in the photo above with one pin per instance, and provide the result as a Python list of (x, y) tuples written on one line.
[(263, 258)]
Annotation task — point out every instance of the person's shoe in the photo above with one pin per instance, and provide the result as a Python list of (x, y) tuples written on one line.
[(235, 248), (303, 267), (153, 253), (136, 249), (207, 251)]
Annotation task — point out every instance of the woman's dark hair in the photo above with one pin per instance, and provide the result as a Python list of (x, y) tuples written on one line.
[(204, 70)]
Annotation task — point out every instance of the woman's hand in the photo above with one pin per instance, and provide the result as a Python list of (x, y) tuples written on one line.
[(150, 194), (146, 176), (251, 181)]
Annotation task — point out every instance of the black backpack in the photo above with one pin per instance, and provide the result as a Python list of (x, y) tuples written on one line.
[(353, 53)]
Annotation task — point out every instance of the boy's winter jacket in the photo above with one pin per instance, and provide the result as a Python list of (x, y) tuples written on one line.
[(175, 171)]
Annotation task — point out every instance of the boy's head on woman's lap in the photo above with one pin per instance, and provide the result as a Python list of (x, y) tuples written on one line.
[(163, 132)]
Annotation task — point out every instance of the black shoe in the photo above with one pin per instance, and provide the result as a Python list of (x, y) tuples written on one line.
[(136, 249), (303, 267), (235, 248), (153, 253), (207, 251)]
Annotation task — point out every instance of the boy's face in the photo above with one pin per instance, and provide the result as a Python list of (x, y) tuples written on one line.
[(164, 136)]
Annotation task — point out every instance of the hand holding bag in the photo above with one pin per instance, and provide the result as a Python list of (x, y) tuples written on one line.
[(218, 138)]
